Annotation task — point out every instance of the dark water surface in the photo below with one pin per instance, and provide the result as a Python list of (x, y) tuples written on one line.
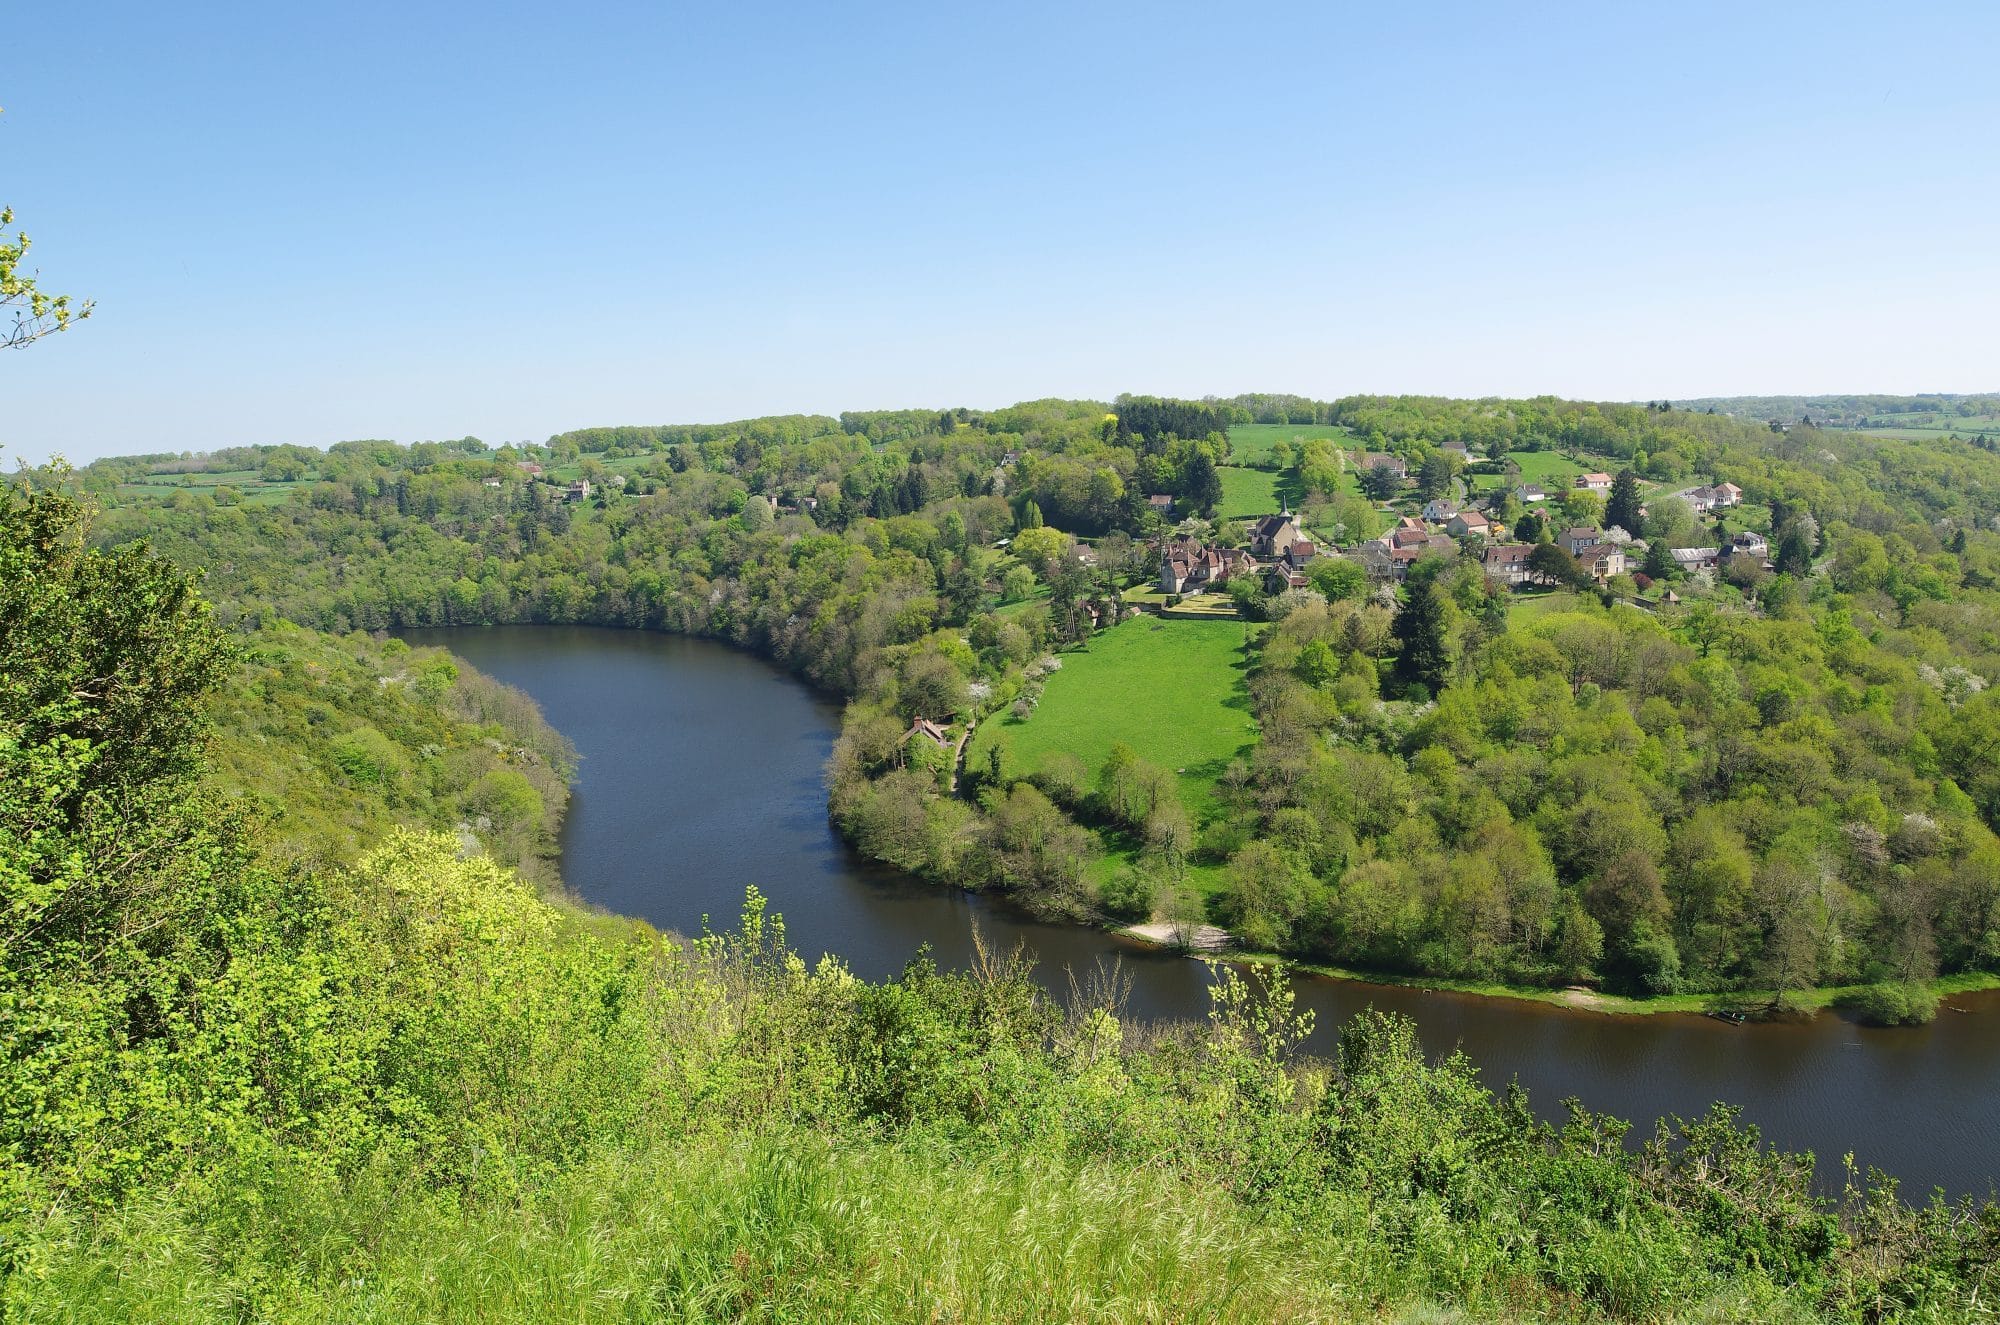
[(701, 774)]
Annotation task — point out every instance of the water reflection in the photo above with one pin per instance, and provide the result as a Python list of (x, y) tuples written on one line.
[(701, 774)]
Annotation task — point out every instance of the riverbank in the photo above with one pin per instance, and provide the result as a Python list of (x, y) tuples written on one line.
[(1757, 1002), (663, 721)]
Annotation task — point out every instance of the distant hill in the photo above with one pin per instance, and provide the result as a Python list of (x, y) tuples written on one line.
[(1942, 411)]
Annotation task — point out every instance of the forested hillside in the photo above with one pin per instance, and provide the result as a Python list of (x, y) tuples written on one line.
[(249, 1081), (331, 740), (1783, 779)]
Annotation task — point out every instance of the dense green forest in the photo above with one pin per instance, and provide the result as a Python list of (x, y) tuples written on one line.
[(1786, 780), (273, 1052)]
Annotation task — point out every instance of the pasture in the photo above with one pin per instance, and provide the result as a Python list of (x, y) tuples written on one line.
[(1250, 492), (1551, 469), (252, 490), (1252, 442), (1174, 691)]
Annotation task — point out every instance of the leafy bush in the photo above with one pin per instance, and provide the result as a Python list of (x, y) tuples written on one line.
[(1892, 1004), (366, 756), (1127, 895)]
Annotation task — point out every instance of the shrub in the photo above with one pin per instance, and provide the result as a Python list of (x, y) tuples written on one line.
[(1127, 895), (1891, 1004), (366, 756)]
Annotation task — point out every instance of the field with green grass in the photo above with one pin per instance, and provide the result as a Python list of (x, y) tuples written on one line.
[(1967, 429), (1551, 469), (1249, 492), (1171, 690), (1919, 426), (1250, 442), (1532, 603), (1749, 515), (252, 489)]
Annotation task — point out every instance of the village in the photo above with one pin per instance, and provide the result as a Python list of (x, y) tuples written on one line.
[(1540, 549)]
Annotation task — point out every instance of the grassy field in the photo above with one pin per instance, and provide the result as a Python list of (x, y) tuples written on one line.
[(1922, 426), (1171, 690), (1252, 492), (1551, 469), (254, 490), (1968, 428), (1749, 515), (1526, 606), (1253, 441)]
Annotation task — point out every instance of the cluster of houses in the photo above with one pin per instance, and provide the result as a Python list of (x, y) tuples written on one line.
[(1279, 548), (1741, 544), (1706, 499), (1391, 556)]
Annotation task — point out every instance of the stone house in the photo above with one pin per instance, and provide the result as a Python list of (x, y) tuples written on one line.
[(1580, 540), (1272, 534), (1508, 563), (1281, 577), (1468, 522)]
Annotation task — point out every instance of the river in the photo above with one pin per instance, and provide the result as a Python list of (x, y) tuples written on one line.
[(701, 774)]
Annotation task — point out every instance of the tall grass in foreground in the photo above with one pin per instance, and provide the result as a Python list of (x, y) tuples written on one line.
[(783, 1228)]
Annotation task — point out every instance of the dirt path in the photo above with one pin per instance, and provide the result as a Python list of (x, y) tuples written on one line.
[(958, 754)]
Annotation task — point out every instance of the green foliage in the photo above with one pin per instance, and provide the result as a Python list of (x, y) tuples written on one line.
[(1569, 748), (412, 1088), (1892, 1004), (33, 311), (334, 742), (1169, 690), (367, 757), (1423, 657), (1128, 895)]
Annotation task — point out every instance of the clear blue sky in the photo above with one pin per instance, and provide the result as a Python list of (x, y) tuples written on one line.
[(412, 220)]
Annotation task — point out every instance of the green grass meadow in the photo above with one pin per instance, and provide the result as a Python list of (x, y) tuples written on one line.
[(253, 490), (1526, 605), (1247, 493), (1749, 515), (1546, 468), (1249, 442), (1174, 691)]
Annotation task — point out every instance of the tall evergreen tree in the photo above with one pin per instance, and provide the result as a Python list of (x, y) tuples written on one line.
[(1623, 508), (1795, 551), (1422, 656), (1434, 479), (1379, 481), (1201, 485)]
